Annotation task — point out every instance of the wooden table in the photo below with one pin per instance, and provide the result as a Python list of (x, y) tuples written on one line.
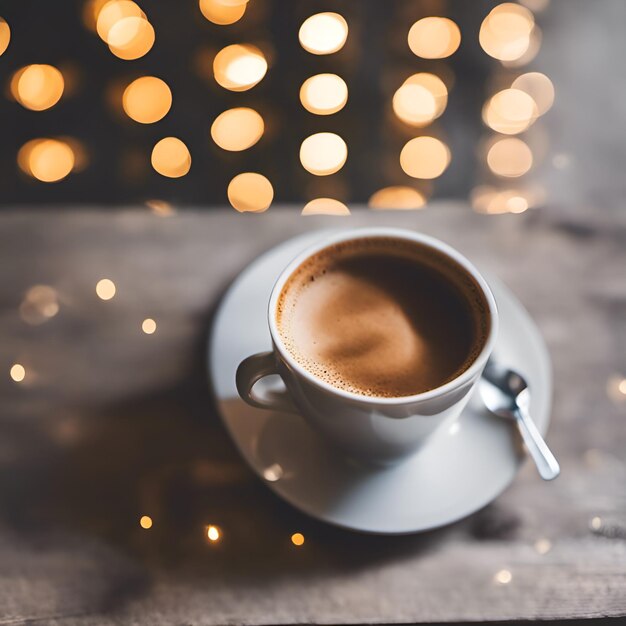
[(110, 424)]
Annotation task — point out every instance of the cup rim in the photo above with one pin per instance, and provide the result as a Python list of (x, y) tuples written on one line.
[(406, 235)]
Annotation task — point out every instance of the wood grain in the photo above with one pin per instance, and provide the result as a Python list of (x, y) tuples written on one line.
[(111, 424)]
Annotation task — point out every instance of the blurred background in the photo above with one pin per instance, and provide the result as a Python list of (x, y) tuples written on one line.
[(510, 105)]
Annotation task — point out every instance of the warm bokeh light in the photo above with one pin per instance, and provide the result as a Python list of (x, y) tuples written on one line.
[(435, 85), (323, 153), (539, 87), (273, 473), (47, 160), (534, 45), (37, 87), (434, 37), (105, 289), (250, 193), (325, 206), (17, 372), (297, 539), (111, 12), (414, 104), (213, 533), (131, 38), (596, 523), (147, 100), (145, 522), (171, 158), (5, 35), (237, 129), (503, 577), (324, 94), (222, 12), (509, 157), (492, 201), (148, 326), (323, 33), (397, 197), (505, 33), (510, 111), (425, 157), (616, 388), (39, 305), (239, 67), (543, 546)]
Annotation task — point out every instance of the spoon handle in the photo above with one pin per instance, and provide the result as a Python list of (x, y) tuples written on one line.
[(546, 463)]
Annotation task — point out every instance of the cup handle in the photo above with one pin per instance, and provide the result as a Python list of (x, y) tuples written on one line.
[(249, 372)]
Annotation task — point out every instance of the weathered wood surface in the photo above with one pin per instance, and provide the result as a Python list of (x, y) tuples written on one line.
[(111, 423)]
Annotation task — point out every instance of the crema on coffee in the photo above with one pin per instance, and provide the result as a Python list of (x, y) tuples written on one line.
[(382, 317)]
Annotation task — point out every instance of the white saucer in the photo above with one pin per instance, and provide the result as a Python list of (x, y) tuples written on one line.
[(458, 472)]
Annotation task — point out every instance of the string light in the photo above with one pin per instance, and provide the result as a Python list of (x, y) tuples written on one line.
[(145, 522), (509, 157), (505, 32), (148, 326), (323, 33), (237, 129), (425, 157), (5, 35), (434, 38), (398, 197), (239, 67), (510, 111), (324, 94), (147, 99), (323, 154), (37, 87), (47, 160), (250, 193), (325, 206), (297, 539), (170, 157), (213, 533), (503, 577), (105, 289), (539, 87), (17, 372), (222, 13)]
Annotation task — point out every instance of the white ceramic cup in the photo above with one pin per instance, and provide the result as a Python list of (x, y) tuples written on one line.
[(380, 430)]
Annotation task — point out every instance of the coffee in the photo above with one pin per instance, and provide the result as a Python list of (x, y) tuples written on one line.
[(382, 317)]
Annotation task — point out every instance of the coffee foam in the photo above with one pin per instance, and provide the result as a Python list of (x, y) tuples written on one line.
[(382, 317)]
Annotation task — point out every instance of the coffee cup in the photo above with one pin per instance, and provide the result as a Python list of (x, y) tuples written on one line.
[(379, 336)]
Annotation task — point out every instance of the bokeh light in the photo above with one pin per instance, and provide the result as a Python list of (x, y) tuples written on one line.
[(503, 577), (325, 206), (147, 100), (435, 85), (162, 208), (239, 67), (323, 33), (17, 372), (148, 326), (297, 539), (425, 157), (434, 37), (250, 193), (131, 38), (237, 129), (510, 111), (506, 31), (105, 289), (37, 87), (113, 11), (145, 522), (5, 35), (324, 94), (509, 157), (534, 45), (39, 305), (397, 197), (222, 12), (213, 533), (539, 87), (543, 546), (170, 157), (47, 160), (323, 154), (414, 104)]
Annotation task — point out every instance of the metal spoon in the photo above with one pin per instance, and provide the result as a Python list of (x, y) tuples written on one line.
[(506, 394)]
